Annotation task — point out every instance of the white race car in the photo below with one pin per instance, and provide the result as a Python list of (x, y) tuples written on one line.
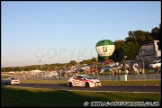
[(155, 64), (12, 80), (83, 81)]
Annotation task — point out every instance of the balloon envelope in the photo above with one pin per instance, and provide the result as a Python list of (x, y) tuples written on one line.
[(105, 48)]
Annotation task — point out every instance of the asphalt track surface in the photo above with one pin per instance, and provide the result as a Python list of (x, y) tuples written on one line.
[(134, 89)]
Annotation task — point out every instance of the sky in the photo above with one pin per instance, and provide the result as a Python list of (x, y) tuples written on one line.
[(37, 33)]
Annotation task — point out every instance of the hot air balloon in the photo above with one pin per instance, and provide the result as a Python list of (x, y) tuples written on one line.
[(105, 48)]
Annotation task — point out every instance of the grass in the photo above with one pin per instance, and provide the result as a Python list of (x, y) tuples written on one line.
[(113, 83), (45, 81), (36, 97), (130, 83)]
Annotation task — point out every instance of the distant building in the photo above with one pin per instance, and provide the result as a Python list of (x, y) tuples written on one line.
[(149, 50), (36, 71)]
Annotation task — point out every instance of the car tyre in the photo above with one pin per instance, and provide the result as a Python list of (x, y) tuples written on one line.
[(87, 85), (9, 83), (70, 84), (6, 83)]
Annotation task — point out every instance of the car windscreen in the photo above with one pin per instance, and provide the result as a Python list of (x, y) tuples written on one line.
[(155, 62), (89, 77), (13, 78)]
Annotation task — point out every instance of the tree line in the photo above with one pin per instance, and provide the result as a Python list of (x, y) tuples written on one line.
[(130, 46)]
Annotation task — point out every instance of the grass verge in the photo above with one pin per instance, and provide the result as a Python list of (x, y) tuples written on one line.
[(36, 97), (105, 82)]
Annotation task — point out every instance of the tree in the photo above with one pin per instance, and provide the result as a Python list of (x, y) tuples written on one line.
[(118, 44), (155, 33), (118, 53), (132, 49), (86, 61), (93, 60), (73, 62), (139, 36), (159, 43), (100, 59), (149, 38)]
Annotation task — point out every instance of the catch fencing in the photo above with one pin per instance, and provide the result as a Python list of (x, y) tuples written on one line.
[(114, 78)]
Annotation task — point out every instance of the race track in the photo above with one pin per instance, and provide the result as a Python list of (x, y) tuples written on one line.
[(138, 89)]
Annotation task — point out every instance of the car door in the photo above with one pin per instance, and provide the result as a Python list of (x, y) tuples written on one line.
[(81, 81), (76, 81)]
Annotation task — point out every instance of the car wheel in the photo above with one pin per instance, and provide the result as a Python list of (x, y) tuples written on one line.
[(87, 85), (6, 83), (9, 83), (70, 84)]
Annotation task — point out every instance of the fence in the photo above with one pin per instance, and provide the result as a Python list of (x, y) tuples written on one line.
[(132, 77), (114, 78)]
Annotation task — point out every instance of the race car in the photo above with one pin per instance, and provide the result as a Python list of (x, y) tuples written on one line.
[(83, 81), (12, 80)]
